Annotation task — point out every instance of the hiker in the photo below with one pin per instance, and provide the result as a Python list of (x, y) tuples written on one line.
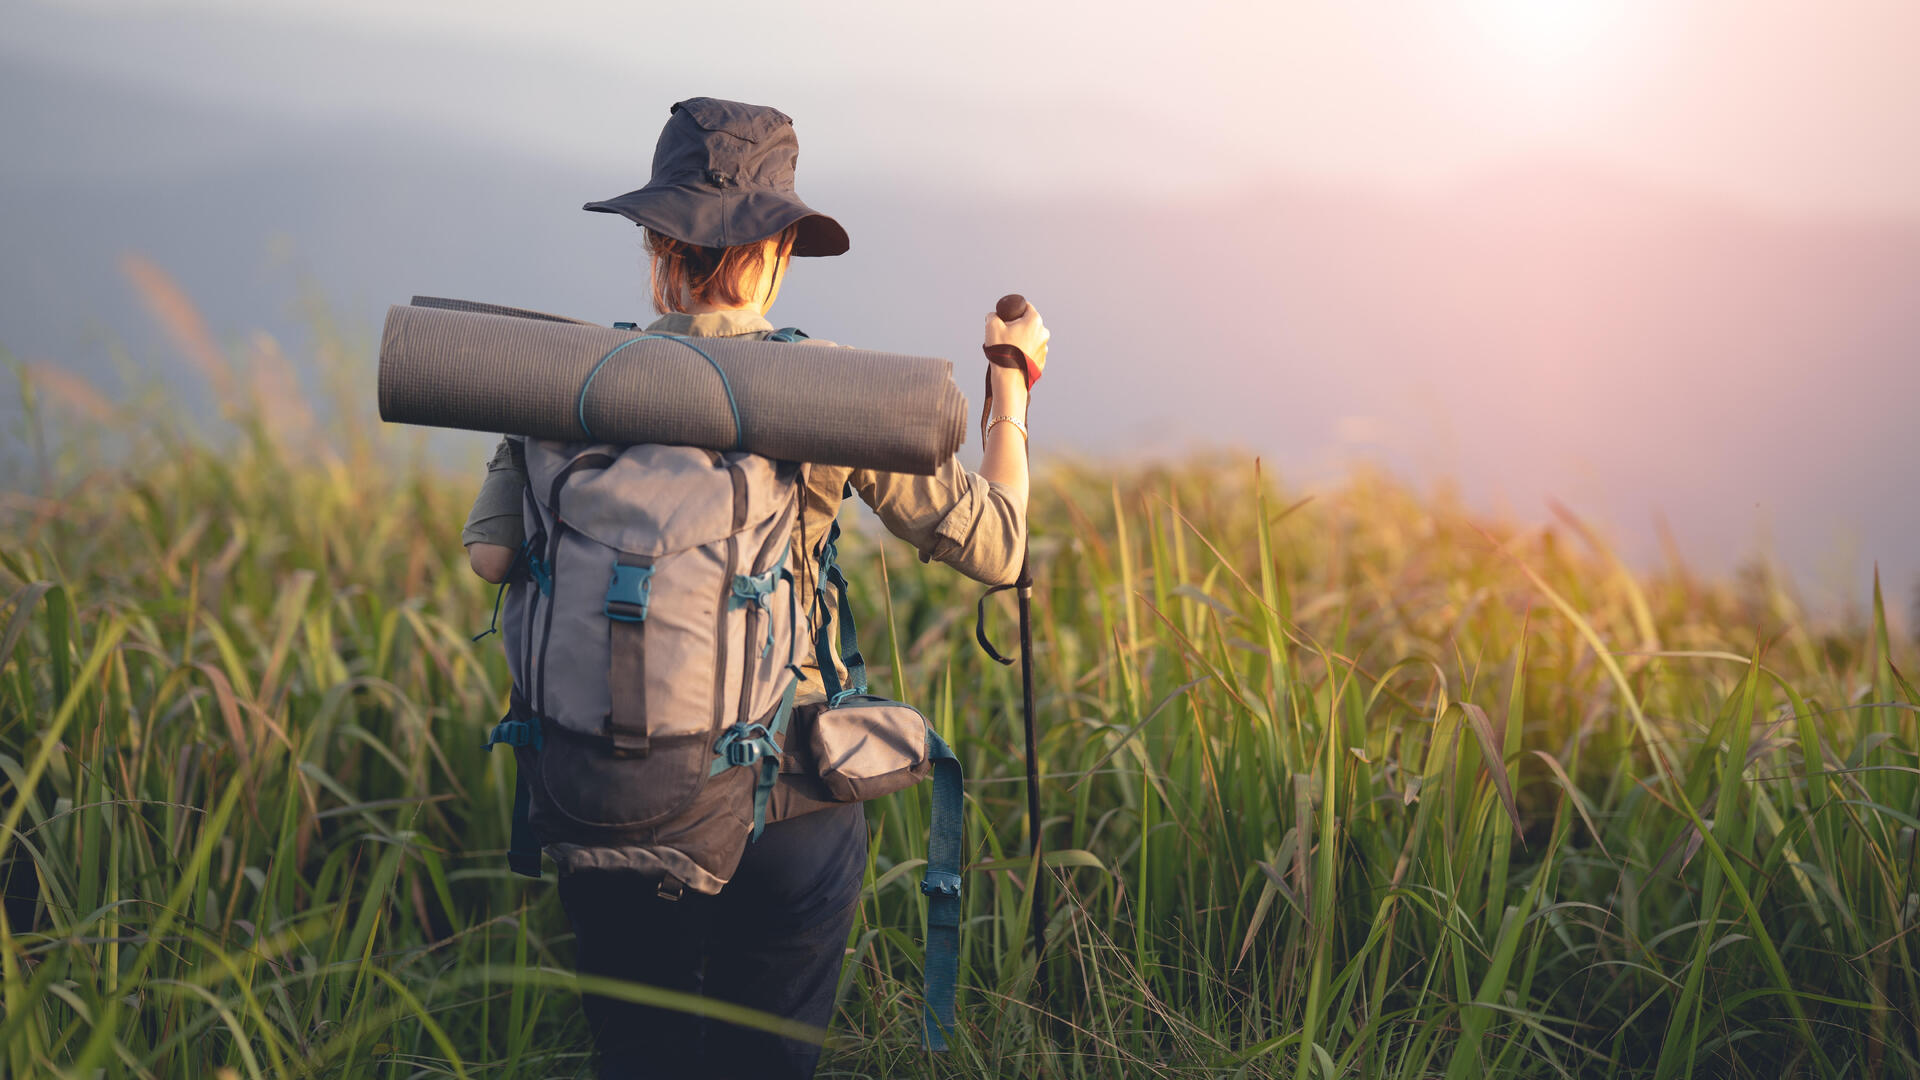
[(722, 222)]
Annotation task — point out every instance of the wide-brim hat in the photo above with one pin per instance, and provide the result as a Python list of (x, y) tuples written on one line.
[(723, 176)]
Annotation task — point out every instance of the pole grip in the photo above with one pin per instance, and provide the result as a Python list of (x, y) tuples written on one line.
[(1012, 307)]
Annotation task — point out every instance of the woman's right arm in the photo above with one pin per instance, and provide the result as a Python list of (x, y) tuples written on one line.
[(494, 529), (1005, 458)]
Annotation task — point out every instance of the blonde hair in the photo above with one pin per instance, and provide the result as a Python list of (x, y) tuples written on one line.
[(711, 275)]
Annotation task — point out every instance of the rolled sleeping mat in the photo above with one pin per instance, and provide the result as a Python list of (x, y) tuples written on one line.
[(486, 368), (447, 304)]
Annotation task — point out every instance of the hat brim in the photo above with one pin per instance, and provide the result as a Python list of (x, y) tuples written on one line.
[(726, 217)]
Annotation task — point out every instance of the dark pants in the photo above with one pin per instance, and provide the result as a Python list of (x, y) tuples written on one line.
[(772, 940)]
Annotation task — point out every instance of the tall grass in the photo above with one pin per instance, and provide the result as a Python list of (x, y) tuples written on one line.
[(1358, 786)]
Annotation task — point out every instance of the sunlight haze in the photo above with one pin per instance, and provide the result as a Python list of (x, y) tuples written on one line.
[(1798, 107), (1610, 253)]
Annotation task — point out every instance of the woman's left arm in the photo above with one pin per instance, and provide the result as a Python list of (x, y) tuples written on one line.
[(974, 524)]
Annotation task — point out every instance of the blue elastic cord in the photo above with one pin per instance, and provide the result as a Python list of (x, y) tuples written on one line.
[(580, 406), (739, 432)]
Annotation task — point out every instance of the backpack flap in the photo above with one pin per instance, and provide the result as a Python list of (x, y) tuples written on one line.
[(655, 500)]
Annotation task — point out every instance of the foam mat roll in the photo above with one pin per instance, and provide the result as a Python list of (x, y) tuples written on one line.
[(461, 367)]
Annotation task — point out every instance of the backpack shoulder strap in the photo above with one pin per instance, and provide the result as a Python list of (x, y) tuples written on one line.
[(850, 658)]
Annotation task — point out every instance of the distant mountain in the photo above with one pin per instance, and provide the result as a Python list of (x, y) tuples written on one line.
[(1549, 330)]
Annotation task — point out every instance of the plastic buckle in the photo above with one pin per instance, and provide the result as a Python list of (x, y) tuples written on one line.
[(940, 883), (755, 589), (747, 591), (514, 733), (746, 745), (541, 573), (629, 593), (626, 326)]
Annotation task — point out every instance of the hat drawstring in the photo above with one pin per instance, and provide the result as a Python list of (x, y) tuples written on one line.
[(772, 286)]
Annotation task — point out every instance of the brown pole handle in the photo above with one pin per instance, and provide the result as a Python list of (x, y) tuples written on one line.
[(1011, 307)]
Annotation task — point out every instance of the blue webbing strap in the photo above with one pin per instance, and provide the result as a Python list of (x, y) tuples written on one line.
[(580, 405), (515, 732), (941, 883), (756, 744), (850, 658), (523, 850), (757, 589), (942, 886), (770, 765), (822, 643)]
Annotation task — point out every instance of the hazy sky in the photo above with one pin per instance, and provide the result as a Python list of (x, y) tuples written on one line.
[(1804, 107), (1639, 256)]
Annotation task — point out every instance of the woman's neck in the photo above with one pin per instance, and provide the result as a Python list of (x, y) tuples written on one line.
[(701, 307)]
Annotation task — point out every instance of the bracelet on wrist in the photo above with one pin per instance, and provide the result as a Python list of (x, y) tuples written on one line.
[(1007, 418)]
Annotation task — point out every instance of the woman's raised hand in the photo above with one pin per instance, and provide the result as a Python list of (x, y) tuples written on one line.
[(1026, 333), (1017, 354)]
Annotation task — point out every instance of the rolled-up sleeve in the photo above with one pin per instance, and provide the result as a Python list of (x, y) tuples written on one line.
[(496, 514), (954, 517)]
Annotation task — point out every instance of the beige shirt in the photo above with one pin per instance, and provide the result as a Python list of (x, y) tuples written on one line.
[(956, 517)]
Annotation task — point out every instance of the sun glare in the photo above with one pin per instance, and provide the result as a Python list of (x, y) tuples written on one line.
[(1546, 37)]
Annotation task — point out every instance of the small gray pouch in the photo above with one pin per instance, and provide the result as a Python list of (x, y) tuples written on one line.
[(867, 746)]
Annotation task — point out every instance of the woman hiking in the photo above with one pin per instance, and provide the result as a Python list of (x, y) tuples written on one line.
[(722, 222)]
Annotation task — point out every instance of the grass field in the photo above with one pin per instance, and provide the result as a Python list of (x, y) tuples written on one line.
[(1355, 786)]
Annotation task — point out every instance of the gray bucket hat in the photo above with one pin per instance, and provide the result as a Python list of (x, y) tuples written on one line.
[(723, 175)]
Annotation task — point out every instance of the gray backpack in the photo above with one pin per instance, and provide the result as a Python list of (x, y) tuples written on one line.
[(654, 646), (652, 628)]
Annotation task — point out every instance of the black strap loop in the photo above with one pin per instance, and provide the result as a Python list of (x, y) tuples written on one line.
[(980, 626)]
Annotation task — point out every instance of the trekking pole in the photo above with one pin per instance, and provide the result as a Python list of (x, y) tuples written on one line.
[(1011, 308)]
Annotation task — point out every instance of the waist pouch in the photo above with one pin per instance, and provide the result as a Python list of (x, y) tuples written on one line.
[(864, 748)]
